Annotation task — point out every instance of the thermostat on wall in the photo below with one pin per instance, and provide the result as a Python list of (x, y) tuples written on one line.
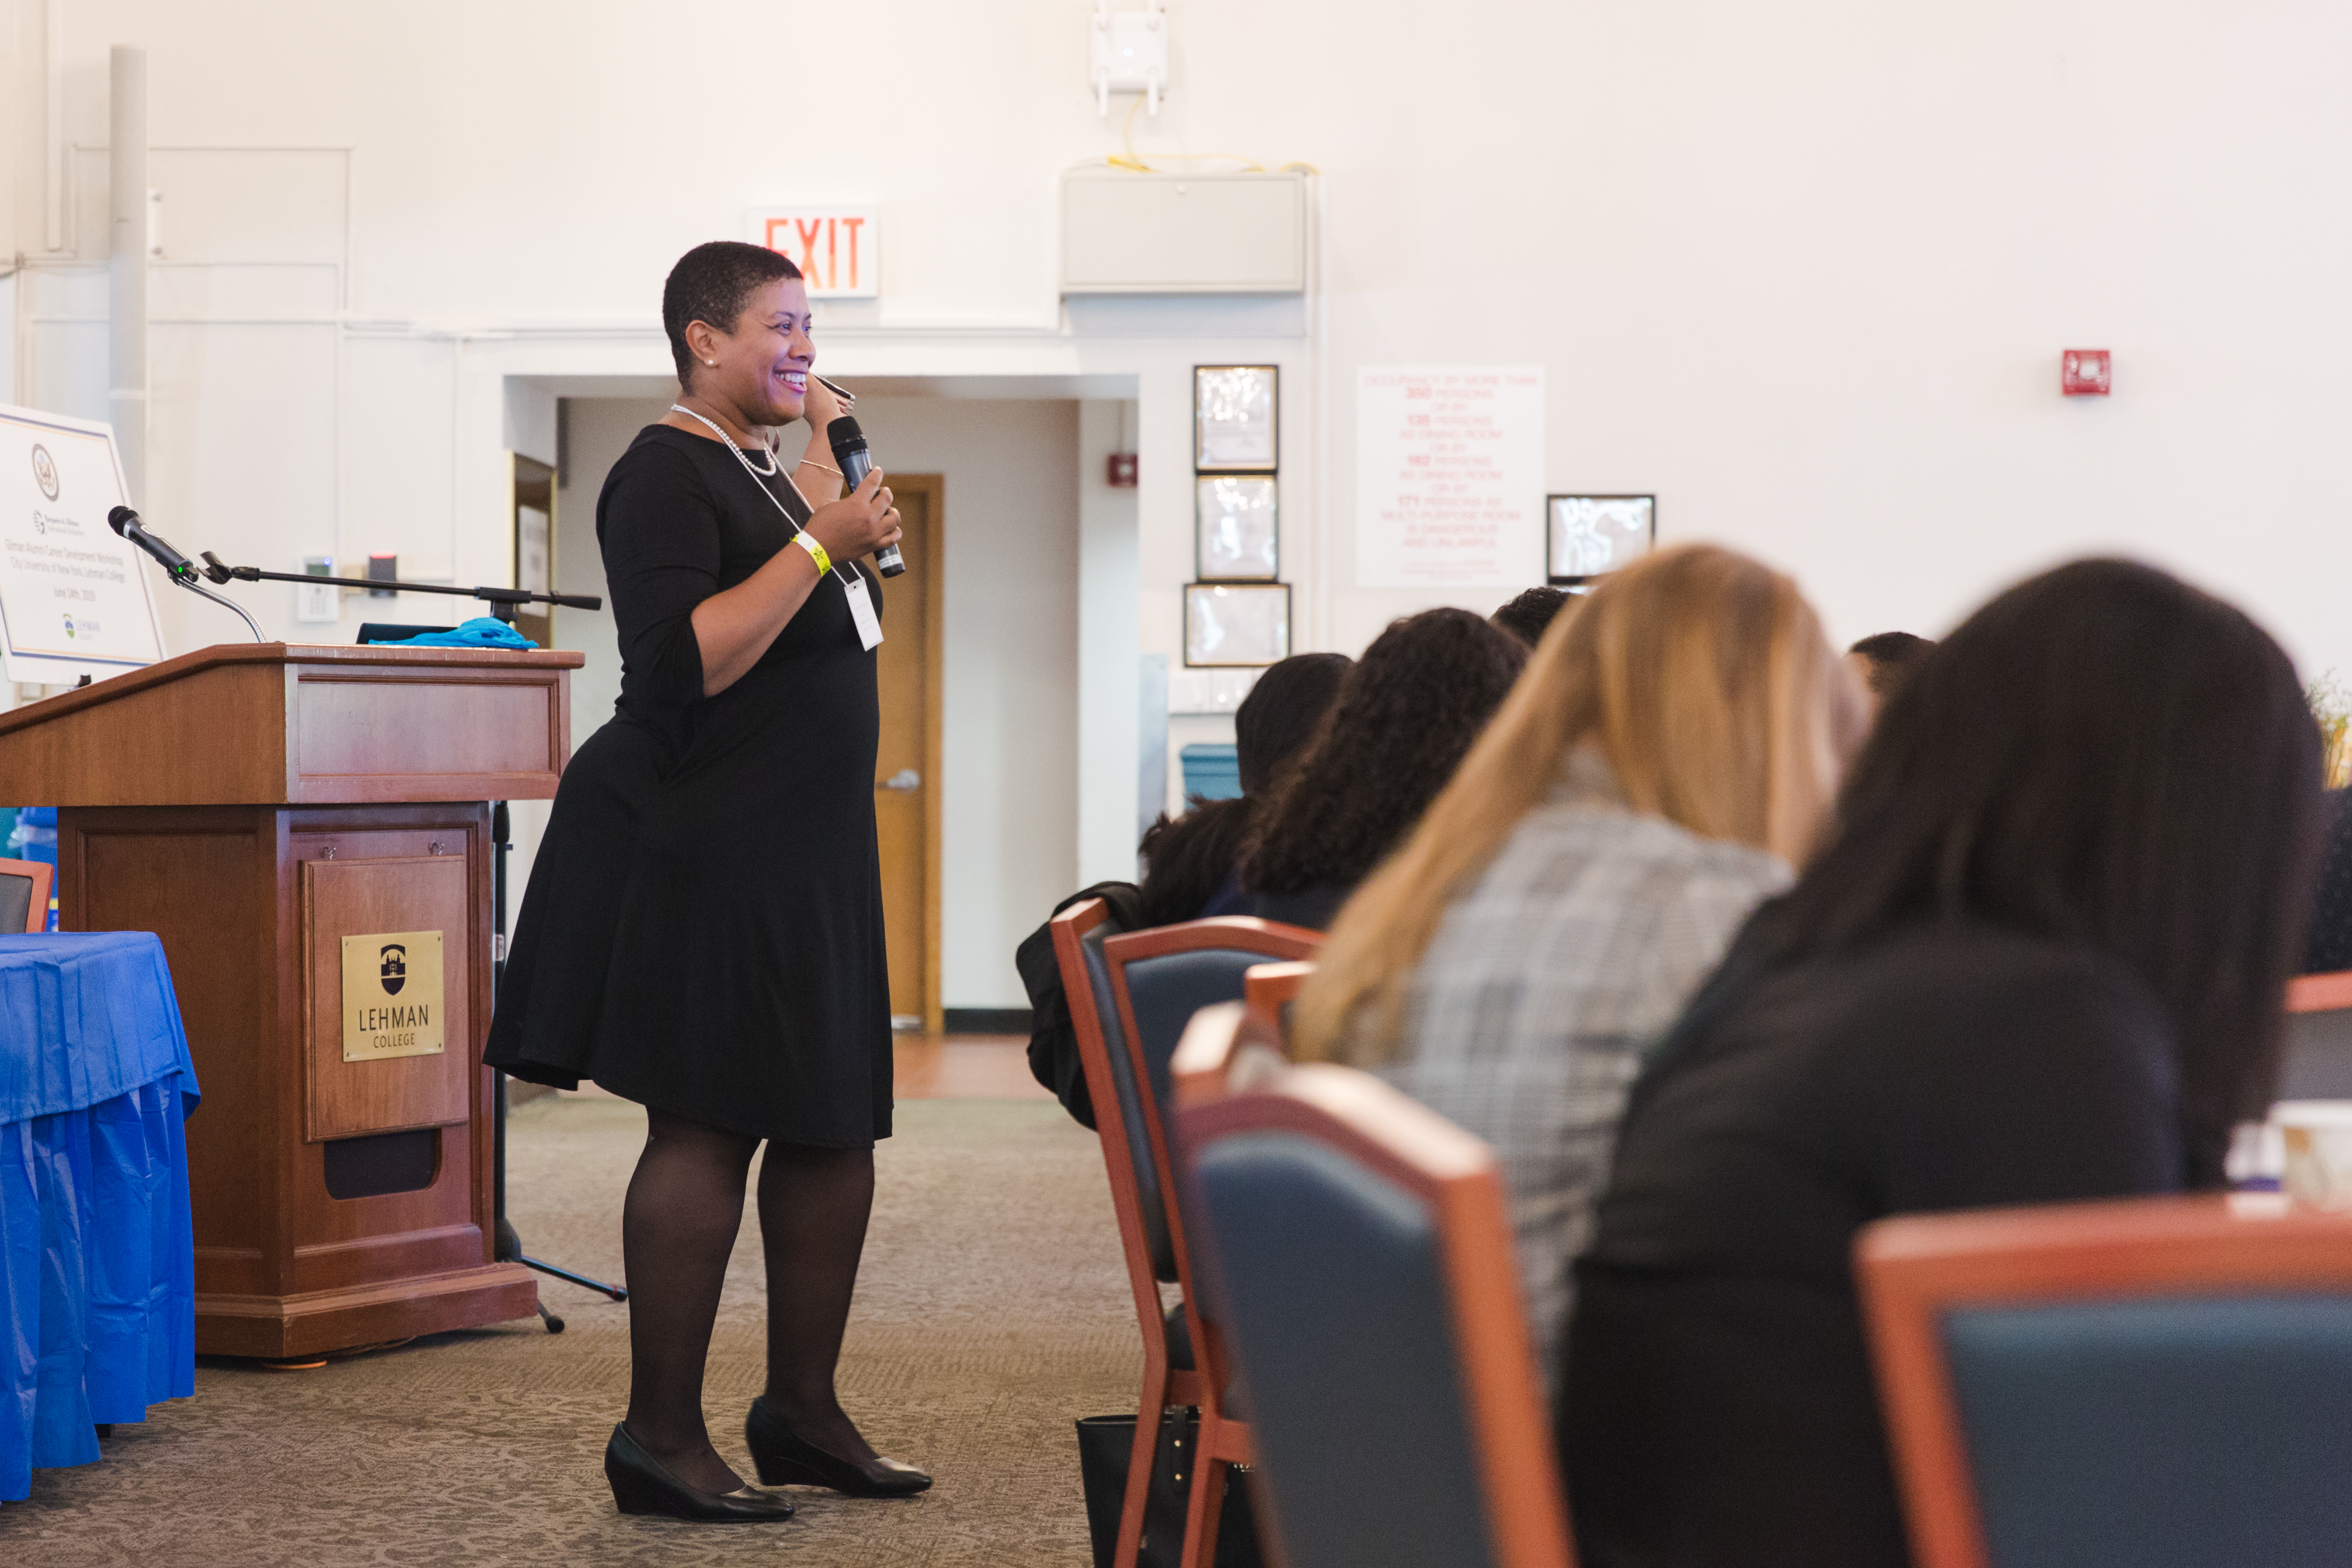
[(317, 605)]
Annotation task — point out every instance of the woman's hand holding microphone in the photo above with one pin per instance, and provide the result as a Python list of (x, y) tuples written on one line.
[(859, 523)]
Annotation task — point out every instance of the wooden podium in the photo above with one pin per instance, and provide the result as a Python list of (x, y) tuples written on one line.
[(255, 806)]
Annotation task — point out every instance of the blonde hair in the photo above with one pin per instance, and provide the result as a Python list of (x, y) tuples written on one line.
[(1704, 680)]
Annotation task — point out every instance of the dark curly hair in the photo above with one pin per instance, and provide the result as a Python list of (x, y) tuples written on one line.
[(1405, 716), (1529, 616), (713, 283)]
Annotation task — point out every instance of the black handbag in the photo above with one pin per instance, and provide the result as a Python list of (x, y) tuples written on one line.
[(1106, 1444)]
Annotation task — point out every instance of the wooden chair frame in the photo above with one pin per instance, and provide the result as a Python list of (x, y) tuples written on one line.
[(1913, 1270), (1269, 988), (1223, 1441), (2320, 993), (1164, 1387), (44, 875), (1454, 1174), (1229, 1048)]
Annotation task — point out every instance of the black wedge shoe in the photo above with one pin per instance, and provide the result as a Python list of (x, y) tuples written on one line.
[(642, 1484), (787, 1458)]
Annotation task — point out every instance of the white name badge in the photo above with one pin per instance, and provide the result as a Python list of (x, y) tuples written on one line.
[(861, 610)]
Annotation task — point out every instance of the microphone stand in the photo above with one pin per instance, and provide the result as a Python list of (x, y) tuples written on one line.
[(501, 600)]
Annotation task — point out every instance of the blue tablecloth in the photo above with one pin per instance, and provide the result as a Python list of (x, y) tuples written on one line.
[(96, 1258)]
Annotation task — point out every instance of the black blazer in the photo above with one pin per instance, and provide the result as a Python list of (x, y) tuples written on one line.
[(1717, 1406)]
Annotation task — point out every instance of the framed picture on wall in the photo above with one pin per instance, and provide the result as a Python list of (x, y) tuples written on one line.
[(1587, 536), (1234, 419), (1234, 527), (1236, 624)]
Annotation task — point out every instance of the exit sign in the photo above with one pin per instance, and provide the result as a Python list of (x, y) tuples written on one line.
[(837, 248)]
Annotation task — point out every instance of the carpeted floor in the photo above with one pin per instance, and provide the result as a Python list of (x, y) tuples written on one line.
[(991, 1312)]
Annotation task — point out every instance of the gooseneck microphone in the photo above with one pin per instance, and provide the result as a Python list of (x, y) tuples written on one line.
[(182, 571), (126, 522), (856, 461)]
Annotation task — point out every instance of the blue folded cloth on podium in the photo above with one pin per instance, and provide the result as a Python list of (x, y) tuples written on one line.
[(97, 1257), (481, 632)]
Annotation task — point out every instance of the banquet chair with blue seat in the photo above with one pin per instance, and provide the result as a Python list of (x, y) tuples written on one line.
[(1135, 1159), (1170, 1379), (2156, 1383), (1360, 1256), (1159, 980), (24, 896)]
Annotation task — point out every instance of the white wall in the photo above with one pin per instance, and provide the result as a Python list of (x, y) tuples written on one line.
[(1008, 795), (1804, 271), (597, 430)]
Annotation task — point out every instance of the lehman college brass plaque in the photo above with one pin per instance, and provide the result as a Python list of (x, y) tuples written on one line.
[(391, 995)]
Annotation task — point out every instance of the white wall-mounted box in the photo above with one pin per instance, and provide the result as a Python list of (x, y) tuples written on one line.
[(1129, 233)]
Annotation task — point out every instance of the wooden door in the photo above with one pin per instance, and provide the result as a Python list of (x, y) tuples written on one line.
[(533, 511), (906, 765)]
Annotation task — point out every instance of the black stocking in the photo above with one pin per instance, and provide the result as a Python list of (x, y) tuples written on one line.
[(685, 1206), (814, 1205)]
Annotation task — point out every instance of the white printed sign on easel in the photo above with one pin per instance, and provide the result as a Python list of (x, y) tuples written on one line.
[(1449, 476), (73, 599)]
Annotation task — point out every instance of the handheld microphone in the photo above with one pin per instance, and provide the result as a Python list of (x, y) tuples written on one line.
[(126, 522), (856, 460)]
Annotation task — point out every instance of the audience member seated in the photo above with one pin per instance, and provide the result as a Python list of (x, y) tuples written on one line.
[(1663, 763), (1530, 615), (1405, 716), (1190, 857), (2043, 959), (2328, 950), (1885, 660)]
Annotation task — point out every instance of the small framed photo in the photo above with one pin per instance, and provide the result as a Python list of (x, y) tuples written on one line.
[(1236, 624), (1234, 419), (1234, 528), (1587, 536)]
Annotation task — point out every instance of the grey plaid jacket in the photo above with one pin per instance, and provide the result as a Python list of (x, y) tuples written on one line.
[(1545, 987)]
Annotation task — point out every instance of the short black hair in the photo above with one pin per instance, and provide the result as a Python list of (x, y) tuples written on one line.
[(713, 283), (1282, 713), (1527, 616), (1890, 655), (2102, 754)]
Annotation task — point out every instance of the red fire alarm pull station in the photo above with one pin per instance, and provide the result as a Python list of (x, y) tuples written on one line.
[(1121, 471), (2084, 373)]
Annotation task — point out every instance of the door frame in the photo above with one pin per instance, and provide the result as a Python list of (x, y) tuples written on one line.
[(933, 489)]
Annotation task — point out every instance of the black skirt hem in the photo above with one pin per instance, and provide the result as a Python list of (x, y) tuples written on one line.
[(635, 1094)]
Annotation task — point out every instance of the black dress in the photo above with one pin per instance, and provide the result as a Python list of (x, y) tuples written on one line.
[(703, 929), (1717, 1409)]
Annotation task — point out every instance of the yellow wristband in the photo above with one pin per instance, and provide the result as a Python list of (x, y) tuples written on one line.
[(807, 541)]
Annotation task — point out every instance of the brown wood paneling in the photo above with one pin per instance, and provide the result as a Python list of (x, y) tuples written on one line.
[(212, 737), (212, 728), (369, 1259), (308, 1323), (357, 896), (201, 879), (392, 734), (458, 1203)]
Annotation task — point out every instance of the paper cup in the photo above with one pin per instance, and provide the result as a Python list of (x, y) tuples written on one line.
[(2318, 1138)]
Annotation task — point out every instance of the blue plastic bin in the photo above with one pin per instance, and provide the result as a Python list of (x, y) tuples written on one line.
[(1212, 772)]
